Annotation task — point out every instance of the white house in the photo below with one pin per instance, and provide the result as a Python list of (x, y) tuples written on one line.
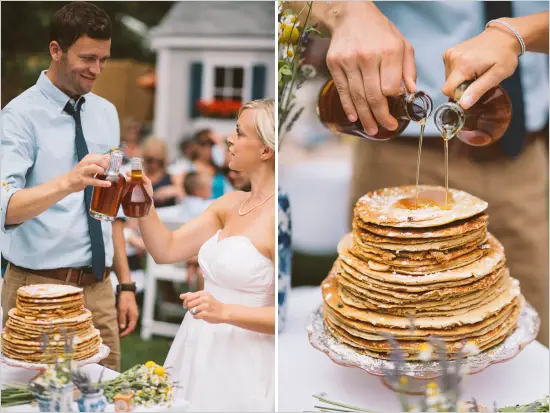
[(210, 51)]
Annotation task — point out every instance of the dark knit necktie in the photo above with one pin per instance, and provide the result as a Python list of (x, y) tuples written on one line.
[(94, 226), (512, 141)]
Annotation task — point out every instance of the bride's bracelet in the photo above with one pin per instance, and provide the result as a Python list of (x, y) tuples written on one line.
[(511, 28)]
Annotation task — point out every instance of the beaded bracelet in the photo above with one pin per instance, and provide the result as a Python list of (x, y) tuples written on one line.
[(509, 27)]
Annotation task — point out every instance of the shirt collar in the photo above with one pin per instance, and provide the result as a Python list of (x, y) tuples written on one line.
[(54, 94)]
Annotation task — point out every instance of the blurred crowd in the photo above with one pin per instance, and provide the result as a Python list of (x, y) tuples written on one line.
[(183, 188)]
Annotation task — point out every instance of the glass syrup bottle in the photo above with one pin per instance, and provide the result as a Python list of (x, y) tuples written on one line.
[(106, 201), (482, 124), (136, 202), (405, 107)]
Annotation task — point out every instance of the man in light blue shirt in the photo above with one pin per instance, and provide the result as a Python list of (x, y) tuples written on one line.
[(375, 46), (53, 137)]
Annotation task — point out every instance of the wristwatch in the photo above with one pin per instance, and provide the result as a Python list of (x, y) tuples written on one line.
[(126, 287)]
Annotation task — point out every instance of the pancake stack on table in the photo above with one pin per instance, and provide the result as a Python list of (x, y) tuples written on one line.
[(50, 309), (431, 262)]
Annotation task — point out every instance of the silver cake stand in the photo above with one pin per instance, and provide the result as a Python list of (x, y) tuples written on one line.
[(419, 372), (96, 358)]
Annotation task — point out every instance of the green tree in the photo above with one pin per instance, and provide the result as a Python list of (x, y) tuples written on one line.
[(25, 32)]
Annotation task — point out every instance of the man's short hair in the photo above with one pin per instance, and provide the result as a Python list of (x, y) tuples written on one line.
[(78, 19)]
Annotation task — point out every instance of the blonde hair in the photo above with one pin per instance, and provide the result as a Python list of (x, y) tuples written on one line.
[(264, 119), (153, 141)]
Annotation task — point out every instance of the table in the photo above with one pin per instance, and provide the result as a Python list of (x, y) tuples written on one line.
[(303, 371), (12, 375)]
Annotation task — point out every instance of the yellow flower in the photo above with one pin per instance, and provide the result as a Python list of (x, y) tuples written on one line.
[(432, 385), (150, 364), (159, 371), (290, 34), (403, 380)]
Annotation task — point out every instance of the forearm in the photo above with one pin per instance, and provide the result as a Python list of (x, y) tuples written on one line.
[(260, 320), (31, 202), (157, 238), (120, 260), (533, 29)]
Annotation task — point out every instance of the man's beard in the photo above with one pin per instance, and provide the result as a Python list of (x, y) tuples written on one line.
[(71, 79)]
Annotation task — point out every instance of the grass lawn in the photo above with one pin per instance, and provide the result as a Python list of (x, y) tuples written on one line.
[(310, 269), (134, 350)]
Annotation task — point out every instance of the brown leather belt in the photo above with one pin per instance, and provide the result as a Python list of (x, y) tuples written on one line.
[(79, 276)]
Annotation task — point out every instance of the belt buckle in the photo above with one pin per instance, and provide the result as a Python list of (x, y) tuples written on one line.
[(79, 279)]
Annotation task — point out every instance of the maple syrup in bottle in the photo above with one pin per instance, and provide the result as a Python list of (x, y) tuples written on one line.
[(136, 202), (405, 107), (482, 124), (106, 201)]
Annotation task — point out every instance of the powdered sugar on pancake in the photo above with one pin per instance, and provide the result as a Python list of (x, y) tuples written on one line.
[(48, 290), (378, 207)]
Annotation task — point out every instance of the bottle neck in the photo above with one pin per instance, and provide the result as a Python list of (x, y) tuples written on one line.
[(115, 163), (449, 118), (137, 169), (417, 106)]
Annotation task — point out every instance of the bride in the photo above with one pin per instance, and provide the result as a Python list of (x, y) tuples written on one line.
[(223, 356)]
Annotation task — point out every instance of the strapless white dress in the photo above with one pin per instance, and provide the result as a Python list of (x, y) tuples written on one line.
[(220, 367)]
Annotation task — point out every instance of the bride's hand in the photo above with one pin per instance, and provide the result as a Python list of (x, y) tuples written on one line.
[(203, 306), (146, 182)]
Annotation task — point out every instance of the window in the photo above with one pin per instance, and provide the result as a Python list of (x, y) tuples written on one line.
[(228, 83)]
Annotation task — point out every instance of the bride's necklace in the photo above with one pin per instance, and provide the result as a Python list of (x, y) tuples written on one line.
[(253, 208)]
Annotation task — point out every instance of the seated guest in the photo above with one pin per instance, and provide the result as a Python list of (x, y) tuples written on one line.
[(203, 162), (239, 180), (198, 190), (184, 162), (155, 154)]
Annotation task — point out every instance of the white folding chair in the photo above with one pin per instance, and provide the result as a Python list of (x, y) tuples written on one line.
[(153, 273)]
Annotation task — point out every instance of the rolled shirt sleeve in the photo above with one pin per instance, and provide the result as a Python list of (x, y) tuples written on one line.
[(18, 152)]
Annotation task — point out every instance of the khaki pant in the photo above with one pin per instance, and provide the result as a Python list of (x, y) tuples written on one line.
[(516, 190), (99, 298)]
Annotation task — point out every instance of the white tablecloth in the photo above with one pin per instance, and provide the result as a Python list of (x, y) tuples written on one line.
[(304, 371), (11, 375)]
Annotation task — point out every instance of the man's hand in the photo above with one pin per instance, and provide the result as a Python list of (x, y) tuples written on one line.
[(83, 173), (368, 59), (127, 312), (490, 57)]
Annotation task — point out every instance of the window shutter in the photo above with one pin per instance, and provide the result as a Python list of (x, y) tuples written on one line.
[(258, 81), (196, 88)]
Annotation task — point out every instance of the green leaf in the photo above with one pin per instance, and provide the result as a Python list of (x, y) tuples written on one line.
[(313, 30), (285, 70)]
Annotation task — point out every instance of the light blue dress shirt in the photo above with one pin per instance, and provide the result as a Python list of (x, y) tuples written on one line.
[(38, 145), (432, 27)]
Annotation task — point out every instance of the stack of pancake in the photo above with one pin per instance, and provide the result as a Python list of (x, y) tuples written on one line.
[(430, 264), (50, 309)]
